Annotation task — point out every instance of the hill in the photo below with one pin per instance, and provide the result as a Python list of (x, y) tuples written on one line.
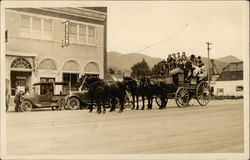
[(124, 62), (229, 59)]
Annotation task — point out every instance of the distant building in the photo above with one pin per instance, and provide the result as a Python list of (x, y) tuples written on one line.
[(34, 51), (230, 81)]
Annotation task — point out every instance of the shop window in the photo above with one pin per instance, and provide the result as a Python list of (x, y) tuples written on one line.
[(239, 88), (72, 78)]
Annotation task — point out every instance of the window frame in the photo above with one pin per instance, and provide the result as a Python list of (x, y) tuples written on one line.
[(30, 33), (87, 41)]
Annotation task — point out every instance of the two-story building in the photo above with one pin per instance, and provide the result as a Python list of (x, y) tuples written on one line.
[(230, 81), (37, 47)]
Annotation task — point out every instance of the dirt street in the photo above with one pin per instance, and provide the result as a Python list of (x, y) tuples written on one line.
[(215, 128)]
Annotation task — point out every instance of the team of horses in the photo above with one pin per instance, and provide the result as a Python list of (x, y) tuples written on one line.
[(100, 92)]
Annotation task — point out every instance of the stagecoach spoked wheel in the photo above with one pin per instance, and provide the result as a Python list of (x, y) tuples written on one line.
[(26, 106), (73, 103), (203, 93), (182, 97), (161, 101)]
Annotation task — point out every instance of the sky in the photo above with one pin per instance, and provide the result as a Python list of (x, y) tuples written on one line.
[(159, 28)]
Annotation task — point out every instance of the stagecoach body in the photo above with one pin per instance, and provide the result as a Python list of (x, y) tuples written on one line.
[(182, 91)]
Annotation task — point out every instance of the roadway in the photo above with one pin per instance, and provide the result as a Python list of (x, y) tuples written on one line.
[(216, 128)]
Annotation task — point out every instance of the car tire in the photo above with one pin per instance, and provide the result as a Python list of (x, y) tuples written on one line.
[(73, 103), (26, 106)]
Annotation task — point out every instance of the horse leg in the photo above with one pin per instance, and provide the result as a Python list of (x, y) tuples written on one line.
[(149, 102), (103, 105), (91, 105), (133, 102), (113, 104), (98, 106), (121, 100), (143, 102), (137, 102)]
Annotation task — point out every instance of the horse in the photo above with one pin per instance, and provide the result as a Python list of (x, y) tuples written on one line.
[(133, 87), (97, 90), (149, 89), (117, 90)]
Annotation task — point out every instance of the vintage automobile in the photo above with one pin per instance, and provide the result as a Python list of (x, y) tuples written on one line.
[(76, 100), (51, 95), (80, 100)]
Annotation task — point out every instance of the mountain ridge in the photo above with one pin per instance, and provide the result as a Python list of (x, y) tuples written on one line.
[(124, 62)]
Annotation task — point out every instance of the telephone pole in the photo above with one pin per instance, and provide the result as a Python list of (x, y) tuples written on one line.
[(208, 49)]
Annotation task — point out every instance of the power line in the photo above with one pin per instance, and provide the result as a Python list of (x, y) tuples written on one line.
[(159, 42)]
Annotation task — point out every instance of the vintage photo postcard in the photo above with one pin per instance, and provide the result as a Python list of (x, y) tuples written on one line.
[(125, 80)]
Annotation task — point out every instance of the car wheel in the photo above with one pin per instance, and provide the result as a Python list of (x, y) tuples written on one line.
[(26, 106), (73, 103)]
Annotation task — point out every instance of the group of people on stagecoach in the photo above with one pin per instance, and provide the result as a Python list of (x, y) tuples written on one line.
[(191, 66)]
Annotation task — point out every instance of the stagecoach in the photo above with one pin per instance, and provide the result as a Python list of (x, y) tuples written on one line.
[(181, 91)]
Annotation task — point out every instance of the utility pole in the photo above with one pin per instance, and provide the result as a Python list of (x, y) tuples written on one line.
[(209, 73)]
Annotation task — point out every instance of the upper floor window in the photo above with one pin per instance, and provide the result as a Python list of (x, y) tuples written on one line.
[(82, 34), (35, 27)]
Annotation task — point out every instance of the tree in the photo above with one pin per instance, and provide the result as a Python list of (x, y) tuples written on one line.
[(111, 71), (159, 67), (140, 69)]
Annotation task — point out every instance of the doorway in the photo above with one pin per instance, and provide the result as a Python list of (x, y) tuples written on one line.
[(20, 81)]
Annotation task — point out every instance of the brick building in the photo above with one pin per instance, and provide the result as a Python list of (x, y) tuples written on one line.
[(34, 51)]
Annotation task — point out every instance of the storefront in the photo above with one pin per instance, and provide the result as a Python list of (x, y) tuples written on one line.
[(20, 75)]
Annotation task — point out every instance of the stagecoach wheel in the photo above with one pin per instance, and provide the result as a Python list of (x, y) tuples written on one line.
[(159, 101), (203, 93), (26, 106), (73, 103), (182, 97)]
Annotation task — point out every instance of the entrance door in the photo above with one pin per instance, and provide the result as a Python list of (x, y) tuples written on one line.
[(20, 80)]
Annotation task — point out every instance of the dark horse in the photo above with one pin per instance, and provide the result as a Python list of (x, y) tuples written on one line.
[(133, 87), (148, 89), (97, 90), (102, 92), (117, 91)]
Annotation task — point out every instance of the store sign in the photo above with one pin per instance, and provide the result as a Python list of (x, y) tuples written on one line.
[(65, 42), (20, 77)]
